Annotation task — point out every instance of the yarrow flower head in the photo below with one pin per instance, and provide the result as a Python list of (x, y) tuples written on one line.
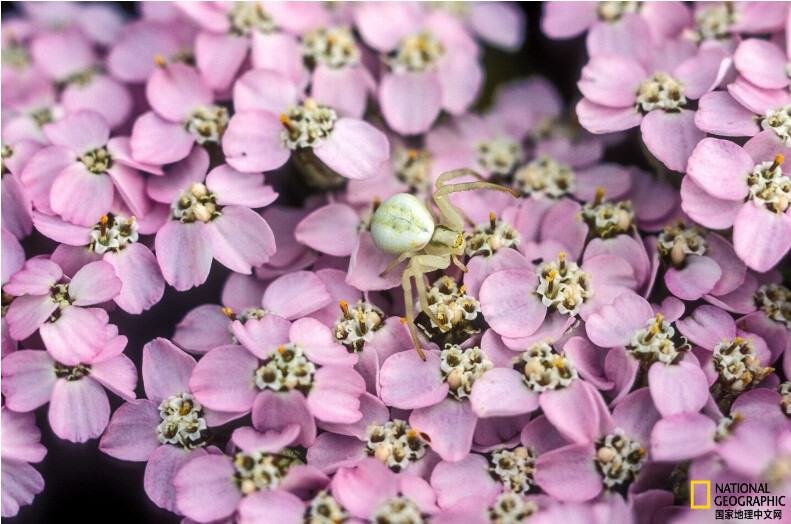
[(462, 367), (545, 369), (563, 285), (545, 178), (395, 443), (357, 324), (487, 238), (606, 219), (775, 301)]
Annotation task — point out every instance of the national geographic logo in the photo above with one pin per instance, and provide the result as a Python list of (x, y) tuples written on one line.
[(737, 500)]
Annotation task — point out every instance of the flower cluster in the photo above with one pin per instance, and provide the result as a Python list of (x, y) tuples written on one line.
[(589, 335)]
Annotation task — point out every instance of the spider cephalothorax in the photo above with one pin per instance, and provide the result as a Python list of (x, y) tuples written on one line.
[(404, 226)]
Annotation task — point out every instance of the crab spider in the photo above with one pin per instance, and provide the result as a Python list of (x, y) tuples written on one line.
[(402, 225)]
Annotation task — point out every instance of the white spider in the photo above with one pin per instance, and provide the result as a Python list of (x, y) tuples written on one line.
[(402, 225)]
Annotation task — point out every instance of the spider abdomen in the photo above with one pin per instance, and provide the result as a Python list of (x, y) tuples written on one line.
[(402, 224)]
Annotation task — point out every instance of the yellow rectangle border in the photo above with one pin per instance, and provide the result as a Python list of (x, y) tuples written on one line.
[(692, 483)]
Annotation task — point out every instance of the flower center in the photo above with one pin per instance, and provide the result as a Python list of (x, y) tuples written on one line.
[(196, 204), (661, 91), (544, 368), (247, 17), (678, 240), (563, 285), (182, 423), (779, 120), (613, 11), (546, 178), (416, 53), (398, 510), (260, 470), (334, 47), (454, 8), (514, 469), (785, 403), (60, 295), (112, 233), (80, 78), (394, 443), (775, 301), (654, 343), (357, 325), (769, 186), (509, 508), (499, 155), (5, 153), (714, 22), (739, 368), (455, 310), (72, 373), (97, 161), (607, 219), (726, 425), (15, 55), (306, 125), (287, 368), (413, 167), (462, 367), (492, 236), (252, 313), (42, 116), (207, 123), (619, 459), (324, 509)]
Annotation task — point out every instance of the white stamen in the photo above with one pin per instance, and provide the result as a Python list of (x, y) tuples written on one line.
[(182, 423), (334, 47), (514, 468), (661, 91), (416, 53), (287, 368), (462, 367), (208, 124), (545, 178), (563, 286), (775, 301), (619, 459), (394, 443), (499, 155), (307, 125), (545, 369)]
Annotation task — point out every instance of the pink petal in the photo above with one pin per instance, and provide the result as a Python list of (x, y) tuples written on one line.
[(27, 313), (677, 388), (79, 409), (22, 484), (720, 114), (598, 118), (219, 57), (184, 253), (264, 89), (77, 336), (408, 382), (563, 20), (733, 269), (104, 95), (93, 284), (241, 239), (671, 137), (40, 172), (707, 326), (175, 90), (252, 142), (573, 411), (410, 102), (205, 490), (345, 89), (223, 379), (241, 189), (355, 149), (611, 80), (142, 281), (295, 295), (279, 52), (682, 436), (568, 473), (336, 395), (166, 370), (318, 342), (756, 99), (698, 277), (157, 141), (624, 37), (36, 277), (383, 25), (118, 374), (331, 451), (509, 305), (500, 24), (705, 209), (131, 187), (761, 237), (621, 368), (28, 379), (367, 263), (330, 229), (450, 424), (131, 434), (81, 132), (161, 469), (362, 488), (276, 412), (461, 76), (501, 392), (203, 328), (587, 359), (69, 191), (264, 335), (615, 324), (721, 168), (275, 506)]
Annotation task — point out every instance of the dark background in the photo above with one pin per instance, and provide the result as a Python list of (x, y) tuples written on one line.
[(86, 485)]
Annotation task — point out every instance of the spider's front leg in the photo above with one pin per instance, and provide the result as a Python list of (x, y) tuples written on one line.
[(406, 285)]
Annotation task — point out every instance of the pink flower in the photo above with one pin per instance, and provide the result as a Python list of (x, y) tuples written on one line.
[(210, 217), (213, 487), (745, 110), (78, 406), (285, 373), (621, 93), (613, 460), (762, 63), (21, 446), (746, 188), (183, 113), (166, 430), (16, 203), (67, 58), (290, 296), (430, 63), (57, 306), (272, 122), (370, 490)]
